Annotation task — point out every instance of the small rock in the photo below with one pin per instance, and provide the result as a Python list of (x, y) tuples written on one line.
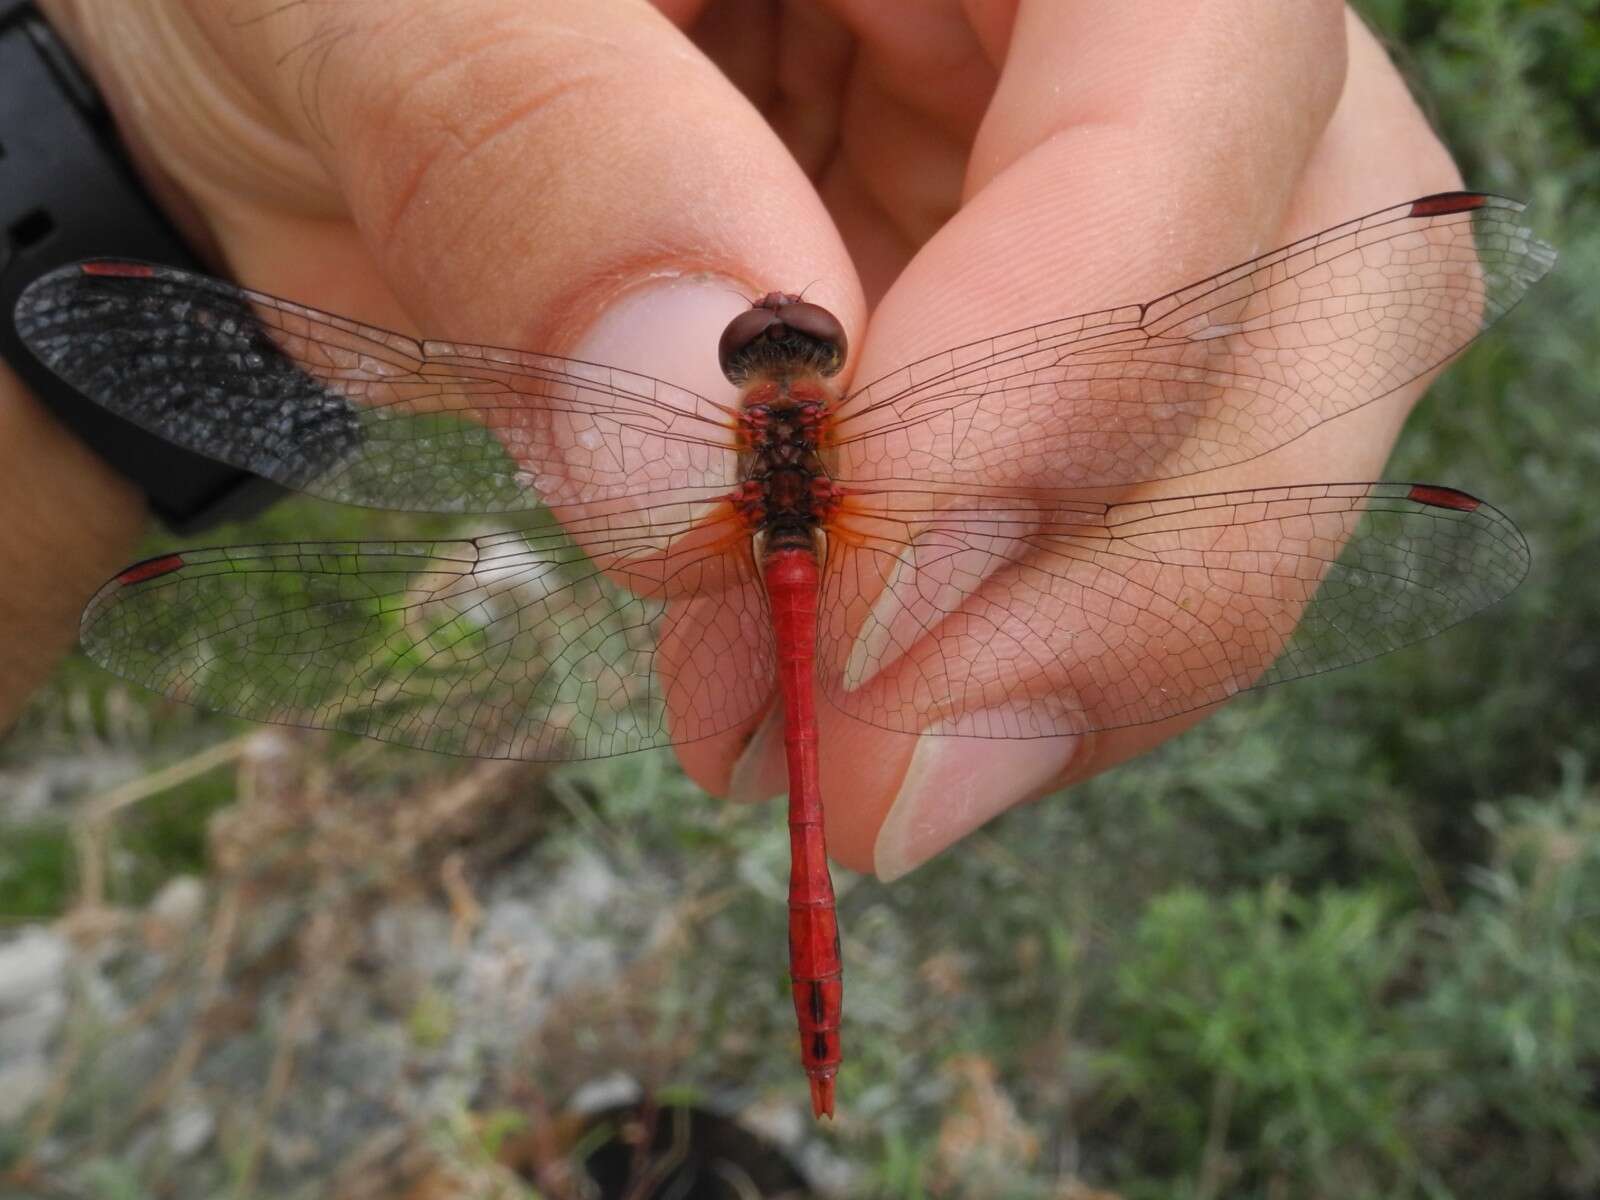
[(22, 1083), (179, 903), (190, 1124), (31, 965), (32, 1000), (616, 1090)]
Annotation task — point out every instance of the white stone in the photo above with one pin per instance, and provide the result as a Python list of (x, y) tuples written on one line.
[(180, 902), (189, 1127), (609, 1091), (32, 964)]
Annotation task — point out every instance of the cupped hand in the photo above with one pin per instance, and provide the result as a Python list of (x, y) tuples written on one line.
[(1066, 158), (605, 180)]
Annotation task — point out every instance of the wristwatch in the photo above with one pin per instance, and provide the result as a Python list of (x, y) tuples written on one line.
[(68, 192)]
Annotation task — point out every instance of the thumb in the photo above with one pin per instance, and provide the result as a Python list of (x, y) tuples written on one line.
[(575, 179), (493, 170)]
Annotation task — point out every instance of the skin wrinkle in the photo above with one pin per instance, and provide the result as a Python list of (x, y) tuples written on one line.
[(435, 154), (459, 59), (394, 101), (408, 106), (603, 281), (322, 39)]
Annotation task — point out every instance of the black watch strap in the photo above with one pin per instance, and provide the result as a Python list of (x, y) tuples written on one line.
[(68, 192)]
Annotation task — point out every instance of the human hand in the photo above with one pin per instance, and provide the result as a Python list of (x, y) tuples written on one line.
[(1113, 154), (443, 139), (571, 178)]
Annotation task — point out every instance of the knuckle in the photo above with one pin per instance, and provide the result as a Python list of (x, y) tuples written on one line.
[(462, 119)]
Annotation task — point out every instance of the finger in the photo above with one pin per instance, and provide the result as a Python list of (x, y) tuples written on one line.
[(572, 148), (1377, 149), (1374, 121), (916, 86), (567, 178), (1134, 165)]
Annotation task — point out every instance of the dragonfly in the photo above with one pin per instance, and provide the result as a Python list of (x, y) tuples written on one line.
[(931, 552)]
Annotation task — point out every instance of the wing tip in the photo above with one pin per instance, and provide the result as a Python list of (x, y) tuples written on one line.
[(1444, 203), (116, 268), (150, 568), (1437, 496), (43, 293)]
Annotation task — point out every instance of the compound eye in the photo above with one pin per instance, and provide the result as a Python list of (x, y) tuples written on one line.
[(815, 322), (736, 338)]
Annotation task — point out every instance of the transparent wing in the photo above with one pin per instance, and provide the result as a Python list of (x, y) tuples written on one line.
[(1214, 374), (1035, 617), (362, 415), (512, 645)]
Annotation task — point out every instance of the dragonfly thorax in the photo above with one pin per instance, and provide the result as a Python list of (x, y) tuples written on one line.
[(786, 493)]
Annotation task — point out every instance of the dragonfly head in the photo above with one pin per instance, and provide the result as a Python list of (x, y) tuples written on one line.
[(781, 335)]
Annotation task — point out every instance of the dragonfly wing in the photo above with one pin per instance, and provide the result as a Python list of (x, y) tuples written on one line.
[(1216, 373), (1035, 618), (363, 415), (512, 645)]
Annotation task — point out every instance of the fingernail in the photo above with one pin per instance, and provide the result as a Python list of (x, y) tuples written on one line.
[(955, 784), (668, 329), (759, 774)]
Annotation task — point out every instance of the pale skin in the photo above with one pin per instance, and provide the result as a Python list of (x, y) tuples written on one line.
[(588, 179)]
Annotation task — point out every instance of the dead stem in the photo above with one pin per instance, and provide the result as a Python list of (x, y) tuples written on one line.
[(91, 825), (1213, 1162), (466, 914), (325, 948), (219, 942)]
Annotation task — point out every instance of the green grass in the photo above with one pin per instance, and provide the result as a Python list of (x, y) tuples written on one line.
[(1342, 941)]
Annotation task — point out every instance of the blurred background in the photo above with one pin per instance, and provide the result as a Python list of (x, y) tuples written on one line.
[(1341, 940)]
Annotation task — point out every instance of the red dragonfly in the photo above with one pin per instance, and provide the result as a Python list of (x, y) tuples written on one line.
[(687, 564)]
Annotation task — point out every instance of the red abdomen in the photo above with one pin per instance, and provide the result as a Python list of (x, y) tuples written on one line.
[(814, 967)]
